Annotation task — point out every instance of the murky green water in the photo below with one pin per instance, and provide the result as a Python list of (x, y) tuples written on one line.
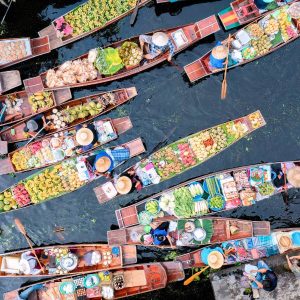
[(166, 109)]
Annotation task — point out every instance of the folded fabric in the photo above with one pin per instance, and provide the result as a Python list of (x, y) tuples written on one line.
[(121, 154)]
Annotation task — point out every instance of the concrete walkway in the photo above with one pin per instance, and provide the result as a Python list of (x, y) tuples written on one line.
[(227, 283)]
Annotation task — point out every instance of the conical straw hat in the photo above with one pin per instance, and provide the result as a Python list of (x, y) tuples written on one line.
[(293, 176)]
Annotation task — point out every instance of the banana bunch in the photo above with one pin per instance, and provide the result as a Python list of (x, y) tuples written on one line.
[(40, 100)]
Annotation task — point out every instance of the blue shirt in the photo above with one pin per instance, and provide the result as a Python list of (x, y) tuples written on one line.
[(156, 233), (154, 49)]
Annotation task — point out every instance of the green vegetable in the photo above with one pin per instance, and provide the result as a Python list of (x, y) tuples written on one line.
[(184, 204), (216, 202), (266, 189), (152, 207), (108, 61)]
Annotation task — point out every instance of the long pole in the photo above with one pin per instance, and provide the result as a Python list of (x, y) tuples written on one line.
[(9, 5)]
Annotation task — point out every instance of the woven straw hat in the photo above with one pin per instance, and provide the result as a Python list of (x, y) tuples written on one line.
[(285, 241), (123, 185), (102, 164), (160, 39), (219, 52), (84, 136), (293, 176), (215, 259)]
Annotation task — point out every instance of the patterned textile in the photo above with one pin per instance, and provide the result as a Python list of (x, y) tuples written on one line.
[(120, 154)]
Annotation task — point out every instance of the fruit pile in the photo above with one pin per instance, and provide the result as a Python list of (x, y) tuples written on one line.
[(201, 144), (152, 207), (20, 159), (7, 201), (45, 185), (219, 137), (40, 100), (216, 203), (130, 53), (186, 155), (285, 25), (262, 45), (271, 27), (166, 162), (255, 30), (21, 195)]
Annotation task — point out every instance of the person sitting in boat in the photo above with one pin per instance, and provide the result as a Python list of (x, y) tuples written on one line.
[(265, 278), (156, 45), (134, 184), (31, 292), (28, 264), (36, 125), (86, 137), (294, 265), (160, 234), (218, 56)]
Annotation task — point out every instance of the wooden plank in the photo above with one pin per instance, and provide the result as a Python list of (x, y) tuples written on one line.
[(129, 216), (10, 80), (33, 85), (208, 26), (196, 70), (40, 45), (3, 148), (62, 96), (261, 228), (122, 124), (174, 271), (116, 237), (129, 254)]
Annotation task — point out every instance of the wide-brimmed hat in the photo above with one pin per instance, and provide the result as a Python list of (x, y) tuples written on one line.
[(84, 136), (55, 143), (123, 185), (24, 267), (102, 164), (160, 39), (285, 241), (219, 52), (32, 125), (293, 176), (215, 259)]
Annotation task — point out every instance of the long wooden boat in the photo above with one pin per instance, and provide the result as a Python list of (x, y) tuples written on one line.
[(64, 177), (42, 153), (244, 250), (9, 80), (184, 154), (251, 48), (189, 232), (121, 283), (22, 49), (107, 100), (26, 106), (53, 260), (79, 15), (238, 187), (241, 12), (188, 35)]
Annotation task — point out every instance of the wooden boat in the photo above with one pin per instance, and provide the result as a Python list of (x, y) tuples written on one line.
[(244, 250), (184, 154), (190, 34), (241, 12), (201, 67), (133, 280), (108, 130), (30, 48), (26, 109), (15, 133), (232, 189), (53, 259), (9, 80), (64, 177), (55, 39), (190, 232)]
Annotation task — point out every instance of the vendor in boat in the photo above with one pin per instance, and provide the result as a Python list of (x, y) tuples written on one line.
[(28, 264), (86, 137), (128, 182), (160, 234), (156, 45), (218, 56), (294, 264), (36, 125)]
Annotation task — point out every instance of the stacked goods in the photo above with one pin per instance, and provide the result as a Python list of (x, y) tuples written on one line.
[(186, 155), (21, 195), (219, 137), (40, 100), (262, 45), (7, 201), (286, 26), (271, 27), (131, 54), (20, 159), (184, 205), (167, 202), (96, 13), (255, 31), (13, 104), (201, 144), (71, 72), (152, 207), (12, 50)]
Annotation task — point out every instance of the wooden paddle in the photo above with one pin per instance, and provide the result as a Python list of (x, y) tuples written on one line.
[(224, 83), (134, 14), (21, 228), (191, 279), (48, 123)]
